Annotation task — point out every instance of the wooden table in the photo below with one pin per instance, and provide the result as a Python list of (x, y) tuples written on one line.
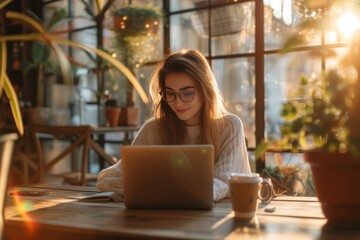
[(54, 216)]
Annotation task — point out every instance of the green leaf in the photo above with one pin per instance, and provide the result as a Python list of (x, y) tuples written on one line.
[(288, 111), (292, 42), (260, 150), (297, 125), (40, 53), (58, 16)]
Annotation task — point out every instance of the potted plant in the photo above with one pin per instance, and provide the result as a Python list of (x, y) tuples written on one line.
[(112, 112), (41, 34), (324, 122), (135, 29)]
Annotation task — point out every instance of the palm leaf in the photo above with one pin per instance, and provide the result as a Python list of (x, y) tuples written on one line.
[(101, 53), (47, 38), (4, 3), (121, 67), (9, 91), (2, 64), (26, 19), (14, 104)]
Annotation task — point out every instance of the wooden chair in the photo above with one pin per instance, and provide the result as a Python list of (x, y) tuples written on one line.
[(25, 161), (6, 150), (78, 136)]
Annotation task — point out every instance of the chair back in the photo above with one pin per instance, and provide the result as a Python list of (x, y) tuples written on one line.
[(77, 135), (6, 150)]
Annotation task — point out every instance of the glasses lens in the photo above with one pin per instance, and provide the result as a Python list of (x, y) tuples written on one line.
[(187, 96), (168, 96)]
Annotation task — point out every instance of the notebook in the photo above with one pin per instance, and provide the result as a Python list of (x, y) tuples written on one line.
[(168, 176)]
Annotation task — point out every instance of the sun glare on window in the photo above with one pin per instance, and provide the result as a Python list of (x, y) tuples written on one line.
[(347, 24)]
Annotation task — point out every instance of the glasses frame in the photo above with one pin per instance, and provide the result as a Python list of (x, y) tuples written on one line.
[(178, 94)]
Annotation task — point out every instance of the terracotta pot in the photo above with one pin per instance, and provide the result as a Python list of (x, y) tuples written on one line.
[(336, 178), (112, 116), (129, 116)]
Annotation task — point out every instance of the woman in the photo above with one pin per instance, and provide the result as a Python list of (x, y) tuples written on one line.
[(188, 109)]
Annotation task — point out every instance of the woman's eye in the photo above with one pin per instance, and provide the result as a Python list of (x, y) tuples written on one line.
[(187, 93)]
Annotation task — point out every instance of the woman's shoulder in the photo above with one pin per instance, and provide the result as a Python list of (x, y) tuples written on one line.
[(233, 120), (149, 124), (148, 134)]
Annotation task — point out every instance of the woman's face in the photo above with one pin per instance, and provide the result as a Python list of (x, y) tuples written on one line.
[(182, 84)]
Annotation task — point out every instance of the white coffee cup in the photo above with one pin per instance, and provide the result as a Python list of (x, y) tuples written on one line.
[(245, 193)]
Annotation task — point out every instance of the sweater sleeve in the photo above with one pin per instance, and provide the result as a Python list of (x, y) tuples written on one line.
[(110, 179), (232, 157)]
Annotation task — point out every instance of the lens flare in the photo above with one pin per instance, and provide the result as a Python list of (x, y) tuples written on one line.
[(22, 208)]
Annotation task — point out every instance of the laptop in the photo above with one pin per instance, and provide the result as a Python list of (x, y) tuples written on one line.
[(168, 176)]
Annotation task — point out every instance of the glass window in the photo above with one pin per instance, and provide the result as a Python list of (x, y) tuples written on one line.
[(281, 20), (232, 28), (183, 34), (236, 79), (178, 5), (282, 76)]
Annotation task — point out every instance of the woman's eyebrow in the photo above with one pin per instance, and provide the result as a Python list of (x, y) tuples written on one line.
[(183, 88)]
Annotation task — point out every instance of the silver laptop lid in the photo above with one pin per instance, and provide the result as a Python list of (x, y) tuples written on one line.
[(168, 176)]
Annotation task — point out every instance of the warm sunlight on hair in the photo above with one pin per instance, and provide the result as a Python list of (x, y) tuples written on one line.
[(347, 24)]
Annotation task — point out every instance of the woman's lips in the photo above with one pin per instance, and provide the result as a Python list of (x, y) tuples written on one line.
[(181, 110)]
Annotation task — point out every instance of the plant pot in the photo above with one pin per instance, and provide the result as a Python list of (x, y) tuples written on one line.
[(224, 20), (336, 178), (112, 116), (143, 26), (129, 116)]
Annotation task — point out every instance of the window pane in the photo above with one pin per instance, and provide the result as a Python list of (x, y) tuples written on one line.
[(236, 78), (282, 74), (289, 173), (183, 35), (177, 5), (282, 20), (282, 77), (81, 18), (233, 28), (87, 37)]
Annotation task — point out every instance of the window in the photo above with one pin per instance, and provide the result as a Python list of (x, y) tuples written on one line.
[(90, 84), (242, 40)]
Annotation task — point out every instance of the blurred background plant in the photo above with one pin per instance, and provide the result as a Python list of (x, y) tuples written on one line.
[(322, 111), (41, 34), (135, 35)]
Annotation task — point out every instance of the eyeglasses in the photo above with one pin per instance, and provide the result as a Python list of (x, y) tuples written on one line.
[(186, 96)]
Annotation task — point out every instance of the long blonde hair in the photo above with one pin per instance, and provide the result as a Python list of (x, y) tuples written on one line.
[(172, 129)]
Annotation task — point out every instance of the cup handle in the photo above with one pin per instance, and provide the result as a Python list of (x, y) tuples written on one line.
[(266, 182)]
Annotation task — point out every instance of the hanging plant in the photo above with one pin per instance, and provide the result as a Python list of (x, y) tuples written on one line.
[(134, 27), (134, 21)]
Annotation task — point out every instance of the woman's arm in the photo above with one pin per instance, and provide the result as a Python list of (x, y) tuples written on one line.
[(233, 156), (110, 179)]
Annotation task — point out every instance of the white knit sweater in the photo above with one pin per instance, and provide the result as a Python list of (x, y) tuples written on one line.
[(232, 156)]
